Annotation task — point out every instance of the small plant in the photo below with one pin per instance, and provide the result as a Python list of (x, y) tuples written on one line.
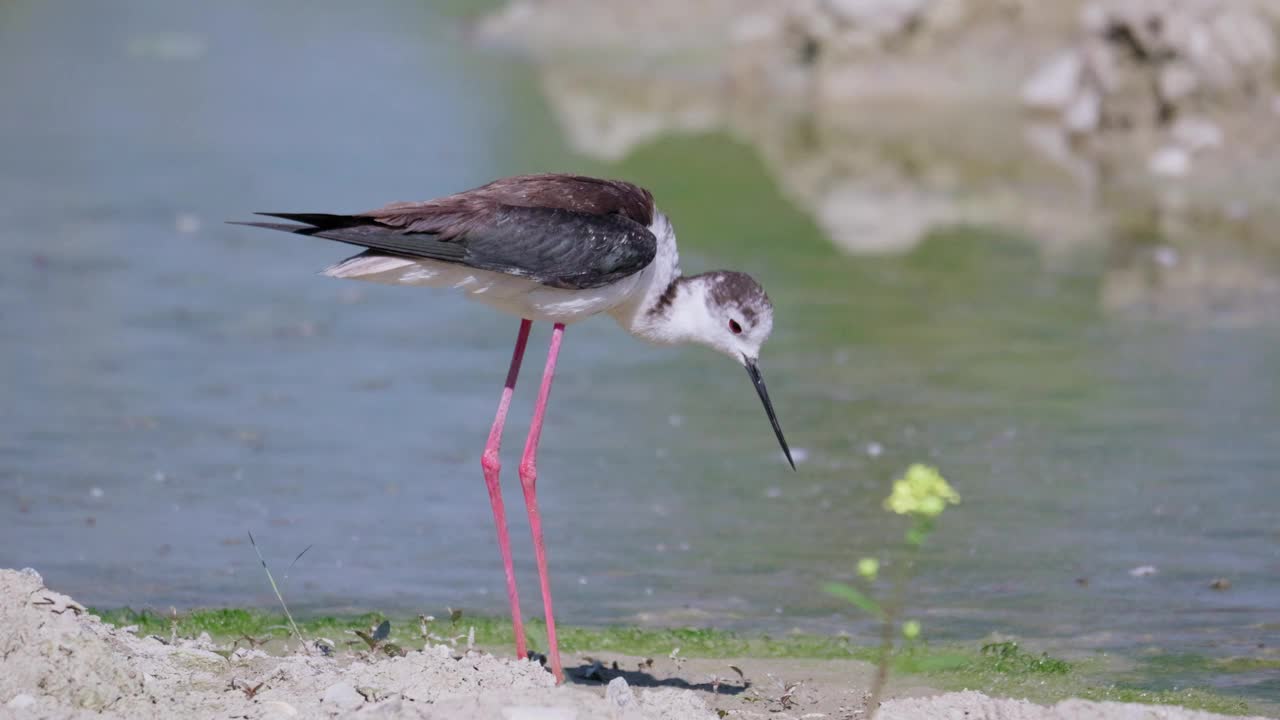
[(921, 494), (378, 640), (1008, 658)]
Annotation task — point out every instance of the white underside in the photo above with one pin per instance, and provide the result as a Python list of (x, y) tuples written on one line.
[(511, 294)]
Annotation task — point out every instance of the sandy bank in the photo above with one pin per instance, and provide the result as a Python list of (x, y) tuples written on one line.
[(58, 661)]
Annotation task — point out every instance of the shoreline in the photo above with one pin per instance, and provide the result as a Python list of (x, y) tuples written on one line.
[(63, 661)]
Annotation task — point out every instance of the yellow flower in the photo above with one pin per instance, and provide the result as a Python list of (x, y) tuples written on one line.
[(921, 491), (868, 567)]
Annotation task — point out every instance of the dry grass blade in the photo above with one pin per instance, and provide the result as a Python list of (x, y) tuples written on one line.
[(297, 633)]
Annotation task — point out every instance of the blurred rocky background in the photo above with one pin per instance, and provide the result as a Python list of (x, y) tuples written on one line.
[(1075, 121)]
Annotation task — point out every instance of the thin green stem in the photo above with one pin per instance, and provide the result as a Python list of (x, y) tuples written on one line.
[(892, 610), (279, 597)]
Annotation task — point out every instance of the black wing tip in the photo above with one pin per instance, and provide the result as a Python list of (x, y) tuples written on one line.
[(282, 227), (296, 217), (309, 223), (324, 221)]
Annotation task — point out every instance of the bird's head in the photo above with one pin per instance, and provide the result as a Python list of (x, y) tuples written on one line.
[(729, 312)]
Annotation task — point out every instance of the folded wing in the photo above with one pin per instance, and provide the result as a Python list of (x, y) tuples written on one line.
[(560, 230)]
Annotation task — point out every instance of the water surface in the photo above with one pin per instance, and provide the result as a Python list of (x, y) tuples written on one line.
[(173, 382)]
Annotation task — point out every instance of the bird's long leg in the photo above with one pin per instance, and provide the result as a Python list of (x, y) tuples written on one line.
[(492, 466), (528, 481)]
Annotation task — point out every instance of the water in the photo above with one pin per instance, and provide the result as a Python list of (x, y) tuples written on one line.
[(173, 382)]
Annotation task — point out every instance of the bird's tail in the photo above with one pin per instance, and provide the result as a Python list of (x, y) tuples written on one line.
[(313, 223)]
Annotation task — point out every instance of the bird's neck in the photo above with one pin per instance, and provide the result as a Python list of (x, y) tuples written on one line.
[(651, 313), (667, 320), (676, 315)]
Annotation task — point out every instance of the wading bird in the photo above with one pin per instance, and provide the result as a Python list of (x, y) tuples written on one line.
[(554, 248)]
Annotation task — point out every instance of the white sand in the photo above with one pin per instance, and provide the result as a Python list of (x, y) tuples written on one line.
[(57, 661)]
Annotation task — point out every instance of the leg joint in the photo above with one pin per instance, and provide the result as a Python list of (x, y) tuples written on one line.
[(528, 471), (490, 461)]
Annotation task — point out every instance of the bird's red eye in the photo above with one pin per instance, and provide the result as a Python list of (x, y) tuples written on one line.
[(734, 327)]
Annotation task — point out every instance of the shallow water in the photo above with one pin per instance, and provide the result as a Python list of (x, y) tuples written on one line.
[(174, 382)]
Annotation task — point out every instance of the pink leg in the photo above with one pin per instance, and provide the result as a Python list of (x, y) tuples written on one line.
[(529, 481), (492, 465)]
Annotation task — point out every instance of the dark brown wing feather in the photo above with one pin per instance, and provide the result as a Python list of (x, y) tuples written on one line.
[(564, 231), (452, 215)]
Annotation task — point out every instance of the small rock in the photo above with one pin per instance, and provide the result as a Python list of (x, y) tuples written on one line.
[(1055, 84), (619, 694), (1170, 161), (1177, 81), (1143, 571), (1196, 134), (342, 696), (1094, 18), (1246, 39), (1217, 584), (1104, 68), (882, 15), (23, 700), (874, 449), (1236, 210), (533, 712), (1166, 257), (1085, 113), (276, 709)]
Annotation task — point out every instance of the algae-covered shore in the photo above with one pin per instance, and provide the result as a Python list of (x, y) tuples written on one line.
[(61, 659)]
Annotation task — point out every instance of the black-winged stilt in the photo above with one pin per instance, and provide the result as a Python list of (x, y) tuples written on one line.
[(553, 248)]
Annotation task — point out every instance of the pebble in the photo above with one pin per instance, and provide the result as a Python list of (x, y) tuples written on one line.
[(1177, 81), (277, 709), (1143, 571), (342, 696), (1054, 86), (1084, 115), (1196, 134), (619, 694), (23, 700), (533, 712), (1166, 256), (1170, 161)]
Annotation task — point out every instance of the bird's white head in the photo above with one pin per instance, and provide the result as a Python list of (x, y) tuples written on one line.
[(725, 311)]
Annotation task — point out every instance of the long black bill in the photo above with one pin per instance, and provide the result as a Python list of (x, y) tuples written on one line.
[(754, 371)]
